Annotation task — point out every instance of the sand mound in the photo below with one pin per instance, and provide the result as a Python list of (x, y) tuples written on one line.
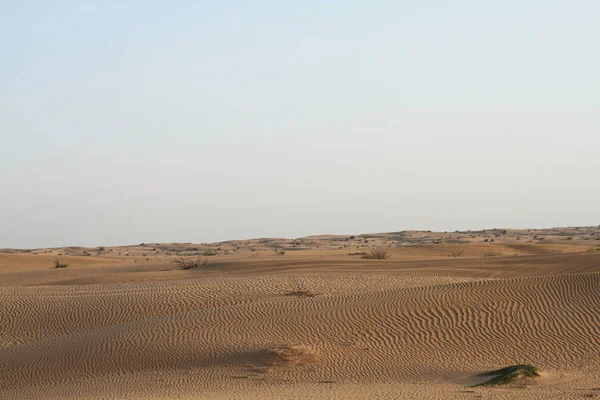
[(286, 356)]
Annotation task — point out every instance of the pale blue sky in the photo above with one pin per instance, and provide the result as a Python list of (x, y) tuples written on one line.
[(137, 121)]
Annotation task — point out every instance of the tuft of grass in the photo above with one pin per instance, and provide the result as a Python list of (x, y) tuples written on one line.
[(58, 264), (189, 263), (209, 253), (378, 253), (507, 375)]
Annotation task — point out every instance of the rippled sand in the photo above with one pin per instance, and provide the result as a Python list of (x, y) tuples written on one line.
[(108, 328)]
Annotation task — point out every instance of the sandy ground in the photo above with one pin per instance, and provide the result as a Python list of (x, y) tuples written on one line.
[(420, 325)]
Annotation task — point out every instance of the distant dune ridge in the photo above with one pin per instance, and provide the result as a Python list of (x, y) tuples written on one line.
[(128, 323)]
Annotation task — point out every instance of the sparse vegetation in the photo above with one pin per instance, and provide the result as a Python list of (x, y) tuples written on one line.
[(360, 253), (279, 252), (457, 254), (189, 263), (378, 253), (298, 289), (58, 264), (507, 375), (209, 253), (488, 254)]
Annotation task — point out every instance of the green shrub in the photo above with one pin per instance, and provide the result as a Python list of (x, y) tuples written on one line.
[(510, 374)]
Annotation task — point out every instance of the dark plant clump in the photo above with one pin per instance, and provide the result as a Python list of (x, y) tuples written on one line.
[(510, 374), (189, 263), (298, 289), (378, 253), (209, 253), (58, 264), (488, 254)]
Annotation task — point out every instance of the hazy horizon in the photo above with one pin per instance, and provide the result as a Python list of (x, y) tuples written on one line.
[(298, 237), (131, 122)]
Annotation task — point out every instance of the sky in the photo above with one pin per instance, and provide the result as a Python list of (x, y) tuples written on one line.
[(124, 122)]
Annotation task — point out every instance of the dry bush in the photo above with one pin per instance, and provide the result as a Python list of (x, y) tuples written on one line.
[(298, 289), (359, 253), (279, 252), (58, 264), (488, 254), (458, 254), (378, 253), (189, 263)]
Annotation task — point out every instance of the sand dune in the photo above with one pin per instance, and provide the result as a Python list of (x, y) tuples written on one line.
[(373, 329)]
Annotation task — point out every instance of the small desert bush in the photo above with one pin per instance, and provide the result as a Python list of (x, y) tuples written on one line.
[(209, 253), (488, 254), (378, 253), (189, 263), (58, 264), (279, 252), (297, 288)]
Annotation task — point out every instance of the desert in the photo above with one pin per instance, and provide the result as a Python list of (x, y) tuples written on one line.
[(279, 200), (409, 314)]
